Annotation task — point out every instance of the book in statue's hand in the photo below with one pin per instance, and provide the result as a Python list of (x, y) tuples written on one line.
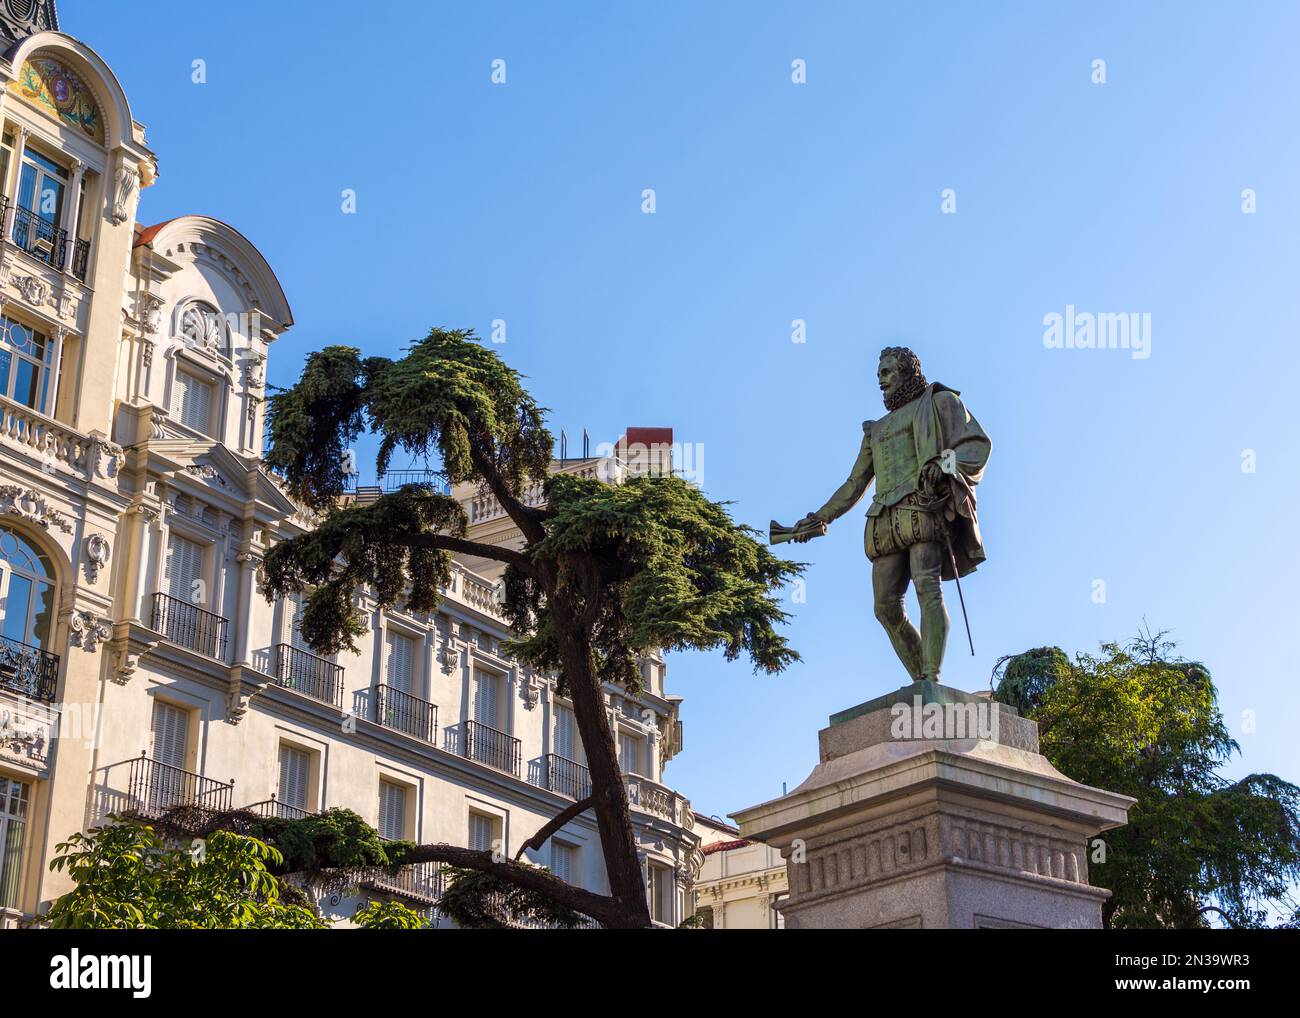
[(806, 529)]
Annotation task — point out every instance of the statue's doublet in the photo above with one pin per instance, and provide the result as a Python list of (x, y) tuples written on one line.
[(893, 452)]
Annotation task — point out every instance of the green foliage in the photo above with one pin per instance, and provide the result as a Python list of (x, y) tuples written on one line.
[(669, 567), (337, 839), (684, 575), (475, 900), (389, 915), (1138, 721), (127, 877)]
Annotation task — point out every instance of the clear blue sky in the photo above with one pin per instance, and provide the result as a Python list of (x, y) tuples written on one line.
[(819, 201)]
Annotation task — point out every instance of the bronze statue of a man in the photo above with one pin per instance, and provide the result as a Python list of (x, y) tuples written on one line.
[(926, 456)]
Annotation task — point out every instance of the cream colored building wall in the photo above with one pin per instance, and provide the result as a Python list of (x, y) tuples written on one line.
[(100, 484), (738, 887)]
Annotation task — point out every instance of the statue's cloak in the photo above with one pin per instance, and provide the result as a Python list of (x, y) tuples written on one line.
[(943, 422)]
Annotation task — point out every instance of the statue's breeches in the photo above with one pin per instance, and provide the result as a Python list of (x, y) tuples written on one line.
[(899, 527)]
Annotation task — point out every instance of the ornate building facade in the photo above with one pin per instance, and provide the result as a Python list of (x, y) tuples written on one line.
[(741, 884), (141, 668)]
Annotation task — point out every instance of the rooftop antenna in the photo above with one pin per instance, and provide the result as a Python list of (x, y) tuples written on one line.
[(564, 446), (586, 445)]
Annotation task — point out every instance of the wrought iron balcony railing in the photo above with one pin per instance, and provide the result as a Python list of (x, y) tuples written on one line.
[(308, 674), (488, 746), (568, 777), (274, 809), (402, 712), (190, 626), (28, 670), (46, 242), (155, 789)]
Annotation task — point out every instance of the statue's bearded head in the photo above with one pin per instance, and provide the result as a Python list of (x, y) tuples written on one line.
[(900, 376)]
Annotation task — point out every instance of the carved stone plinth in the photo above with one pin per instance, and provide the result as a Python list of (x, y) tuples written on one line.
[(971, 829)]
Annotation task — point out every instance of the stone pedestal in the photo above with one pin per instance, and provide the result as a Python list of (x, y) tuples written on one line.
[(932, 808)]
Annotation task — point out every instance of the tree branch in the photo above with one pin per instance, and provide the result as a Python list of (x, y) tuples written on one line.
[(606, 910), (539, 839), (524, 518), (446, 542)]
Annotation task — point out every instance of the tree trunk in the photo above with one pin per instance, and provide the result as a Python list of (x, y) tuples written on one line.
[(609, 793)]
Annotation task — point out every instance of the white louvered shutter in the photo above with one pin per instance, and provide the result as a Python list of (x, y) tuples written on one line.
[(184, 567), (567, 743), (171, 731), (482, 832), (564, 861), (192, 402), (295, 767), (296, 606), (487, 700), (392, 811), (629, 753), (401, 656)]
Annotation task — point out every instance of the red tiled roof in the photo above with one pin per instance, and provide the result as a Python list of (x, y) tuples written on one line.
[(724, 846)]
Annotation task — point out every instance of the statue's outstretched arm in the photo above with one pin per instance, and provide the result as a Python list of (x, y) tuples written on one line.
[(848, 494)]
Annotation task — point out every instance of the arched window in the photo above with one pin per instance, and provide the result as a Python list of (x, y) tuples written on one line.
[(26, 591)]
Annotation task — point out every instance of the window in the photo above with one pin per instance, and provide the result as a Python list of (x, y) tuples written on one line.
[(661, 893), (38, 218), (295, 777), (25, 356), (297, 603), (392, 811), (170, 730), (487, 700), (192, 402), (484, 832), (400, 669), (564, 862), (26, 591), (185, 570), (567, 743), (15, 797), (629, 753)]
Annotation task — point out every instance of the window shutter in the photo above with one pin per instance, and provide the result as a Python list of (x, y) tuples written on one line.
[(192, 402), (294, 771), (564, 860), (184, 566), (486, 700), (392, 811), (567, 743), (400, 657), (629, 753), (482, 832), (171, 729), (296, 606)]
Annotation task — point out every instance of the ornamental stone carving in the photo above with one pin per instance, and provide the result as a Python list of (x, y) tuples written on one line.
[(88, 630), (125, 183), (35, 291), (98, 551), (28, 505)]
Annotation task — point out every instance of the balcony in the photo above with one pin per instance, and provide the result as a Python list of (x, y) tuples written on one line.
[(190, 626), (154, 789), (420, 882), (567, 777), (402, 712), (659, 800), (395, 480), (272, 809), (29, 671), (308, 674), (488, 746), (47, 243)]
